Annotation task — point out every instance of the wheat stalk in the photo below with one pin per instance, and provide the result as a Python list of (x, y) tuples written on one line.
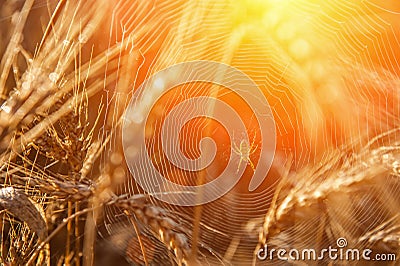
[(162, 224), (386, 235)]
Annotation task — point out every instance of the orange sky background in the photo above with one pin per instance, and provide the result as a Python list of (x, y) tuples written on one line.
[(327, 68)]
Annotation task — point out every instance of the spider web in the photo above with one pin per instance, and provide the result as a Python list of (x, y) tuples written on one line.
[(329, 72)]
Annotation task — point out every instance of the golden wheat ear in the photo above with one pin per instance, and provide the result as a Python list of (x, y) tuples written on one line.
[(48, 72), (353, 198)]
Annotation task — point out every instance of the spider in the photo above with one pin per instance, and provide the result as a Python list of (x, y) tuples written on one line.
[(244, 151)]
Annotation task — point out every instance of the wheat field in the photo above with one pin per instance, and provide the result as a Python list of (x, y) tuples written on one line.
[(70, 70)]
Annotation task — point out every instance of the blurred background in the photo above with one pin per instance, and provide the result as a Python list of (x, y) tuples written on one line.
[(329, 70)]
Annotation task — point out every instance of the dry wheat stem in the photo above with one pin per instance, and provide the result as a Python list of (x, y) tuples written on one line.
[(388, 233), (9, 55), (36, 82), (57, 230)]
